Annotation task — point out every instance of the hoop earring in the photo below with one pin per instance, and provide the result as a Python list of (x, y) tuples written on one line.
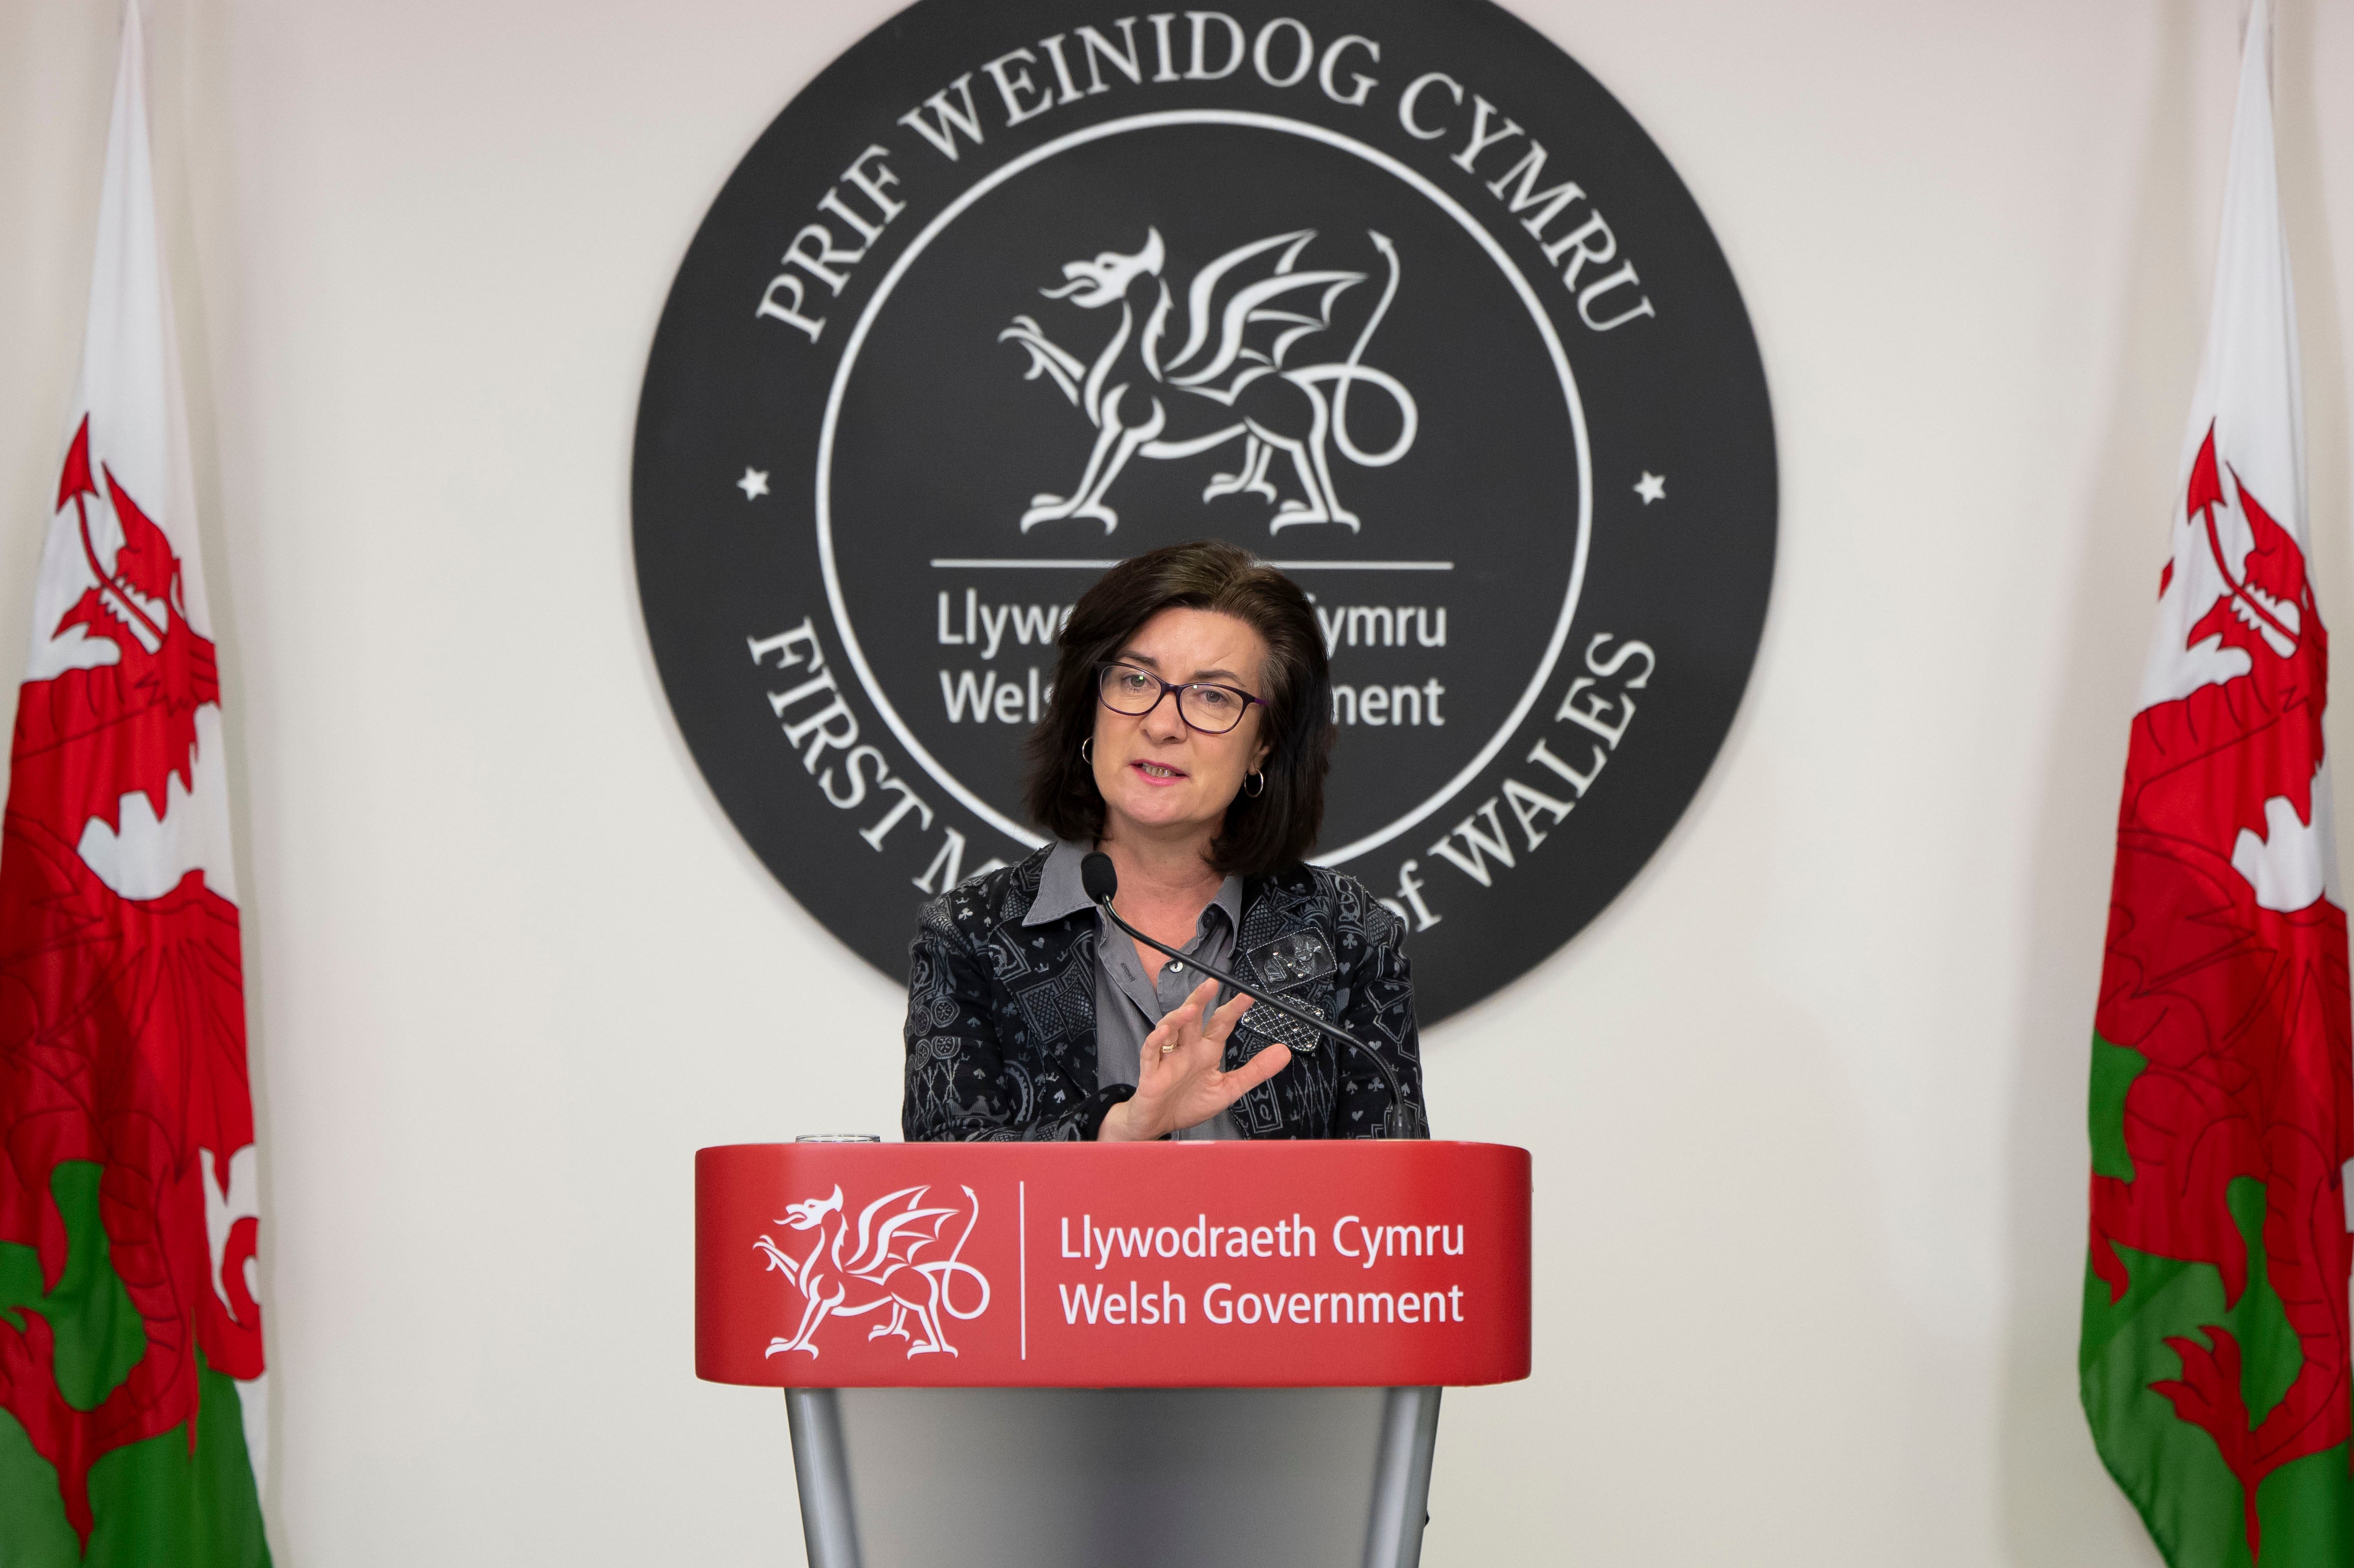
[(1254, 794), (1086, 752)]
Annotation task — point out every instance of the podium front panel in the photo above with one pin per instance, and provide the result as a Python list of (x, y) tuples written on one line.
[(1188, 1265), (1142, 1478)]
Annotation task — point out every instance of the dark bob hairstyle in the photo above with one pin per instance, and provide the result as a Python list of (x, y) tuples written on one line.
[(1263, 833)]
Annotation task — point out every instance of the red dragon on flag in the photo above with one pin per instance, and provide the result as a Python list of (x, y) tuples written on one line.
[(122, 1020), (2221, 1037)]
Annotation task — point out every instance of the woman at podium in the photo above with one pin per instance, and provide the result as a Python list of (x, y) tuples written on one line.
[(1187, 741)]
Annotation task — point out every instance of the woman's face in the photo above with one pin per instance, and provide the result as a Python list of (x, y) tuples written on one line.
[(1160, 777)]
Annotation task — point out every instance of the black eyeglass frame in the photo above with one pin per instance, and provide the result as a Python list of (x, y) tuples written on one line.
[(1179, 688)]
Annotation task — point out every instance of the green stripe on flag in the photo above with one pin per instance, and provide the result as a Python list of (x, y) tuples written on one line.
[(2114, 1068), (100, 1337), (153, 1502), (2170, 1470)]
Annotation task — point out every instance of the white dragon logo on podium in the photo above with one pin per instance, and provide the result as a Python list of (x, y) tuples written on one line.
[(879, 1261), (1245, 312)]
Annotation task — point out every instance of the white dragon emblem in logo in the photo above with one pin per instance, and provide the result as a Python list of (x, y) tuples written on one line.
[(880, 1263), (1246, 315)]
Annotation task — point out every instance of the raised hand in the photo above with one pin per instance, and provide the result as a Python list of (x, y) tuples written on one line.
[(1179, 1082)]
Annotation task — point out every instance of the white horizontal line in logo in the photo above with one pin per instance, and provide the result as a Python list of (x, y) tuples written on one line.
[(971, 563)]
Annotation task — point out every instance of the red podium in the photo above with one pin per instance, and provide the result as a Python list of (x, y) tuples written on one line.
[(1400, 1265)]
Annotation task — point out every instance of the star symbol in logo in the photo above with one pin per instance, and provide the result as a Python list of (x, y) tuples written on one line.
[(1651, 487), (755, 483)]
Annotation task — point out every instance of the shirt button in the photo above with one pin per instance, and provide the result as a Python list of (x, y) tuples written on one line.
[(1177, 965)]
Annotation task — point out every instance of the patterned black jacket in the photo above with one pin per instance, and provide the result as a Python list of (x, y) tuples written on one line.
[(1002, 1018)]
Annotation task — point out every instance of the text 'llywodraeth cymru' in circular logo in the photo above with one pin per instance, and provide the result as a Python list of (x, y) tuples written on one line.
[(1394, 294)]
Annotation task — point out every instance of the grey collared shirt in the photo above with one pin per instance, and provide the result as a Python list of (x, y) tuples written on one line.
[(1128, 1003)]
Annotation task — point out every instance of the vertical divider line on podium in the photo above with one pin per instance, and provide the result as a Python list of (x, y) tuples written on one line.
[(1022, 1203), (1402, 1478), (821, 1472)]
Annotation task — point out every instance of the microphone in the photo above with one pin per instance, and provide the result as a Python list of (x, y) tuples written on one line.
[(1100, 879)]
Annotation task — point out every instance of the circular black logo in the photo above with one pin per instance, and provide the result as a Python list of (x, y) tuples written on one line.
[(1396, 295)]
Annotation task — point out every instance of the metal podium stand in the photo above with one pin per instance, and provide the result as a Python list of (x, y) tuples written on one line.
[(1405, 1438), (1162, 1355)]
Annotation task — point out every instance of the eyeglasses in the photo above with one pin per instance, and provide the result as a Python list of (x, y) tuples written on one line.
[(1212, 709)]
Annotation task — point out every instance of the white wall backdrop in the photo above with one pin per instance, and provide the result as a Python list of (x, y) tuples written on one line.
[(1807, 1103)]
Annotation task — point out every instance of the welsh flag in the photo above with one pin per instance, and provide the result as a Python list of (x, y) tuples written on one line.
[(2213, 1360), (130, 1343)]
